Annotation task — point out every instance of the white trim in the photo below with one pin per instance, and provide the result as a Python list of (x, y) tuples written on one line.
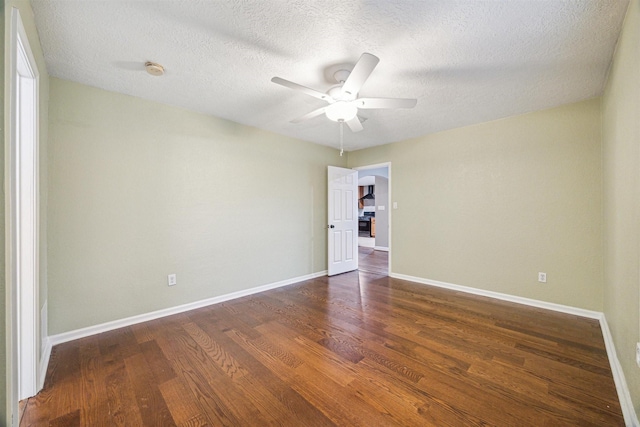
[(109, 326), (504, 297), (626, 404), (375, 166), (21, 301), (44, 362), (381, 248), (45, 345)]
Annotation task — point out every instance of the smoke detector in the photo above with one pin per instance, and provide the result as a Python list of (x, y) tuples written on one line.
[(154, 69)]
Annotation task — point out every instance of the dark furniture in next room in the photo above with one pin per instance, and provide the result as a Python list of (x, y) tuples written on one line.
[(367, 222)]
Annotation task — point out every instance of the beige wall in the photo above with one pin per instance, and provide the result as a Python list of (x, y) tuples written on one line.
[(34, 42), (489, 206), (621, 160), (139, 190)]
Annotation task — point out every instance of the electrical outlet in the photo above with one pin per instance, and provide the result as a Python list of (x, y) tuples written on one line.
[(172, 279), (542, 277), (638, 354), (395, 205)]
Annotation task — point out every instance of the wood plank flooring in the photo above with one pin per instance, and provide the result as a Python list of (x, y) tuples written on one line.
[(359, 349), (373, 261)]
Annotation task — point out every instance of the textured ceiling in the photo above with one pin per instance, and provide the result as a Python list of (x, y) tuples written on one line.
[(465, 61)]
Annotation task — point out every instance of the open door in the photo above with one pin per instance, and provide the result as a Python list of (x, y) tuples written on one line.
[(343, 220)]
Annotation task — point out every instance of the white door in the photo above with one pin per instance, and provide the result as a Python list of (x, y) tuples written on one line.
[(343, 220)]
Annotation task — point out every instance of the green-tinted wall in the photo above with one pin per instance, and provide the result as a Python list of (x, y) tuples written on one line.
[(491, 205), (621, 164), (140, 190)]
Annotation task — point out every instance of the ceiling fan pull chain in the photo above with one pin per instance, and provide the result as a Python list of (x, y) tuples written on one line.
[(341, 137)]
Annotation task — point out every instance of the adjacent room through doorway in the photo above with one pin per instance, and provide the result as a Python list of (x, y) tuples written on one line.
[(374, 218)]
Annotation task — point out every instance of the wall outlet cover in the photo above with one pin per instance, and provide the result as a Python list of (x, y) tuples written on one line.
[(542, 277), (638, 354), (172, 279)]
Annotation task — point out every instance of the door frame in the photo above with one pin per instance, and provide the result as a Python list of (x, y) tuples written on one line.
[(22, 259), (389, 203)]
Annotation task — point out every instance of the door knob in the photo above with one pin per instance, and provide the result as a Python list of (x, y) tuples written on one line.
[(332, 226)]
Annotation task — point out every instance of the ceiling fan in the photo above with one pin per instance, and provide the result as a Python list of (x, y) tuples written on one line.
[(343, 97)]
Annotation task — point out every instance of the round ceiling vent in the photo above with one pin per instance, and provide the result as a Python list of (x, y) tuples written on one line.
[(154, 69)]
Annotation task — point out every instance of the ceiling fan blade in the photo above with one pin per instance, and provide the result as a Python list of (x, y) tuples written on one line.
[(374, 103), (354, 124), (304, 89), (310, 115), (359, 74)]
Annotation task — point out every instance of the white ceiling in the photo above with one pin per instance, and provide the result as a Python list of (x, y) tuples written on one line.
[(466, 61)]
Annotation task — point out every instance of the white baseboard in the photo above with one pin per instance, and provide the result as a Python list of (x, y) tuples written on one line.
[(44, 362), (45, 346), (626, 404), (504, 297), (109, 326), (628, 411), (381, 248)]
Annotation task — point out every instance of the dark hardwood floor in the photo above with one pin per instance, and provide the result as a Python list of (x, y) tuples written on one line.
[(359, 349)]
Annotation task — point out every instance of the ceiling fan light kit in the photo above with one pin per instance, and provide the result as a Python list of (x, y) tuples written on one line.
[(341, 111), (343, 98)]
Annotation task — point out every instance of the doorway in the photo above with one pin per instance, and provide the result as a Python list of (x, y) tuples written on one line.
[(22, 206), (374, 218)]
